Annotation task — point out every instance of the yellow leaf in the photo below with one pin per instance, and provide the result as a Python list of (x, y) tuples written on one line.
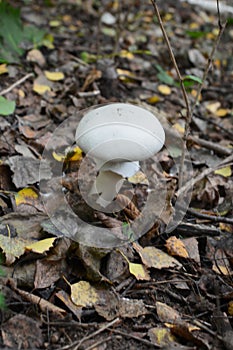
[(83, 294), (12, 247), (42, 246), (179, 128), (194, 94), (226, 172), (176, 247), (164, 89), (221, 270), (168, 17), (230, 308), (126, 54), (72, 155), (59, 156), (41, 89), (25, 195), (194, 25), (125, 75), (139, 178), (139, 271), (54, 23), (156, 258), (75, 154), (161, 336), (213, 107), (222, 112), (153, 99), (48, 41), (226, 227), (54, 76), (21, 93), (3, 68)]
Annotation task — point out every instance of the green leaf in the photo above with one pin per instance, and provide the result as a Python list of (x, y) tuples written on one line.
[(13, 34), (163, 76), (195, 34), (6, 107), (193, 78)]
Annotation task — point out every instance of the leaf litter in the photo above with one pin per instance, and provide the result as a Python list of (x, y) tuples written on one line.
[(99, 53)]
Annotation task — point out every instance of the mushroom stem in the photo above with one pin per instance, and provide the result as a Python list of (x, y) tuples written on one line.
[(110, 180)]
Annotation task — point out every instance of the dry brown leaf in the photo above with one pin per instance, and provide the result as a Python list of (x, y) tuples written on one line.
[(166, 313), (176, 247), (156, 258), (22, 330)]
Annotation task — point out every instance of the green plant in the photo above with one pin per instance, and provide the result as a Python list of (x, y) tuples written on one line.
[(13, 34)]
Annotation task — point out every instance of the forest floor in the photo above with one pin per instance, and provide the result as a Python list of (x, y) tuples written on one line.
[(172, 288)]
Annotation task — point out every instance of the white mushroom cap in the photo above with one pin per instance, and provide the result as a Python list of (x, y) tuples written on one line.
[(120, 131), (117, 136)]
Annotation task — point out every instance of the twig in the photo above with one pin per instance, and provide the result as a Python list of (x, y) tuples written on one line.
[(42, 303), (76, 344), (209, 63), (143, 341), (18, 82), (192, 182), (213, 218), (185, 96), (106, 326), (216, 123), (211, 145), (190, 110), (96, 344)]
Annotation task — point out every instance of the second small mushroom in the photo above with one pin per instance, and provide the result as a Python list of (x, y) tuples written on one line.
[(117, 136)]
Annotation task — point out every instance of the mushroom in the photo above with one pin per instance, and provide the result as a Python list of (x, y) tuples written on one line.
[(117, 136)]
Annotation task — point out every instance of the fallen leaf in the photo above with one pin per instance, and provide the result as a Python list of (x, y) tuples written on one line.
[(139, 178), (176, 247), (164, 89), (48, 272), (11, 245), (111, 306), (83, 294), (125, 75), (42, 246), (179, 128), (192, 248), (3, 68), (26, 195), (21, 329), (27, 171), (36, 55), (65, 299), (54, 76), (41, 89), (226, 172), (154, 99), (6, 106), (166, 313), (138, 270), (161, 336), (222, 112), (72, 155), (230, 308), (156, 258), (213, 107), (126, 54)]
